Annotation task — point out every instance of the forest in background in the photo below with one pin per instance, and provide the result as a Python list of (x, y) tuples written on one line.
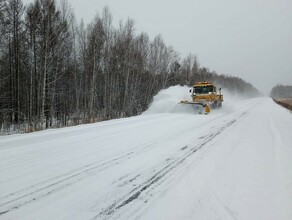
[(55, 71), (281, 91)]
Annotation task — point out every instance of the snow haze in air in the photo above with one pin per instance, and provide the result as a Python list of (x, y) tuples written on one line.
[(251, 39)]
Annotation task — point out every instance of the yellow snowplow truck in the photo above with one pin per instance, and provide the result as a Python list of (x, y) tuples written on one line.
[(205, 97)]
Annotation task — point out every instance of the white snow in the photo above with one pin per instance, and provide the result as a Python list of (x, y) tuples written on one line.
[(168, 163)]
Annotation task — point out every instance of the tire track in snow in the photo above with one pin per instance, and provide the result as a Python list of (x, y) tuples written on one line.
[(32, 193), (42, 189), (161, 175)]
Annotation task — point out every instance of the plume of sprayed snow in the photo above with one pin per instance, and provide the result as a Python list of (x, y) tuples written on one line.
[(231, 100), (167, 101)]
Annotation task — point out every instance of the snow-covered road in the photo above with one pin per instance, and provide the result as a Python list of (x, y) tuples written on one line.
[(235, 163)]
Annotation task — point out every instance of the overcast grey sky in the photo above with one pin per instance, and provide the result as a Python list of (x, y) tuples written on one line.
[(251, 39)]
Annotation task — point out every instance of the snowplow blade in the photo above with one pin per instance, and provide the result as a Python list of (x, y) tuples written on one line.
[(201, 108)]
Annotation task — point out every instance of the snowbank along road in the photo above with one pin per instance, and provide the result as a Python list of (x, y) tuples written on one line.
[(168, 163)]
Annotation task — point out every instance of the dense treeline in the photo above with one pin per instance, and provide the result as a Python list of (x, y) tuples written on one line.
[(281, 91), (55, 72)]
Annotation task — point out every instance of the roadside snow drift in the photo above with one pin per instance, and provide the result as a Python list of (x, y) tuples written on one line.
[(168, 163)]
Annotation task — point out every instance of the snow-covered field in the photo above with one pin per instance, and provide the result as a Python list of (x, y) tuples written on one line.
[(235, 163)]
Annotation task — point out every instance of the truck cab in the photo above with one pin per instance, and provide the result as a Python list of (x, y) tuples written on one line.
[(206, 92)]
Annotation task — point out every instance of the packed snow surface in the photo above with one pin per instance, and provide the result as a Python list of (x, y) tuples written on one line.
[(168, 163)]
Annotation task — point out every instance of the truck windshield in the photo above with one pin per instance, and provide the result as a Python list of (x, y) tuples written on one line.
[(203, 89)]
